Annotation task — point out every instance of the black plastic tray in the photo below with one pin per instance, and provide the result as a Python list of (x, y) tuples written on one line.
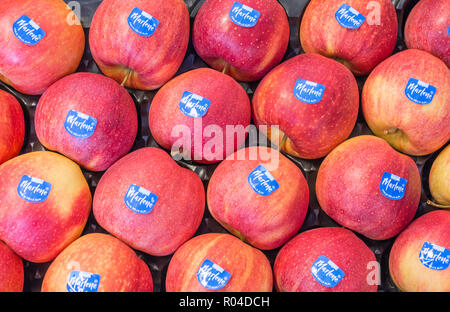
[(34, 273)]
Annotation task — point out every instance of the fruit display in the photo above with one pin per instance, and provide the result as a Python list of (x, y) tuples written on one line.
[(223, 146)]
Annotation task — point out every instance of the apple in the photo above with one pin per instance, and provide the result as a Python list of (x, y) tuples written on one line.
[(358, 33), (97, 263), (419, 259), (439, 179), (218, 262), (406, 101), (148, 201), (12, 127), (313, 99), (89, 118), (195, 103), (45, 204), (244, 38), (328, 259), (11, 270), (140, 43), (368, 187), (257, 199), (428, 27), (41, 41)]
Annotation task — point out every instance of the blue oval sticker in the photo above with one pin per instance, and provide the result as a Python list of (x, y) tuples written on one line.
[(308, 91), (27, 31), (419, 92), (348, 17), (142, 23), (392, 186), (212, 276), (79, 125), (243, 15), (434, 257), (193, 105), (79, 281), (262, 182), (140, 200), (33, 190), (326, 272)]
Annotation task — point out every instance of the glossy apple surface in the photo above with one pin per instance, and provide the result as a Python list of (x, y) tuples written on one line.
[(439, 179), (367, 186), (156, 227), (11, 270), (12, 126), (140, 42), (31, 65), (45, 203)]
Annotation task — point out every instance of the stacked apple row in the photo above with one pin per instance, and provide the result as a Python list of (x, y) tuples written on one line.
[(151, 204)]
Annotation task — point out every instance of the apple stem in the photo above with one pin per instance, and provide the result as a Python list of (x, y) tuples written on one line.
[(127, 76), (283, 142), (225, 68), (390, 131), (429, 202)]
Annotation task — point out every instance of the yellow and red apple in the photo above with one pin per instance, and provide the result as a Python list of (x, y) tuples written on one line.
[(12, 127), (439, 179)]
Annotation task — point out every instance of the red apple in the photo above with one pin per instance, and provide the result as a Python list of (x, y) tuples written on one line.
[(439, 179), (314, 101), (45, 203), (428, 27), (40, 42), (12, 127), (11, 270), (419, 259), (189, 107), (244, 39), (328, 259), (218, 262), (89, 118), (98, 263), (406, 101), (262, 200), (358, 33), (140, 43), (150, 202), (367, 186)]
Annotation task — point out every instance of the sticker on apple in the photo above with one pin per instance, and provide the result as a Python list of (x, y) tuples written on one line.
[(243, 15), (308, 92), (33, 190), (326, 272), (419, 92), (212, 276), (193, 105), (142, 23), (79, 281), (392, 186), (348, 17), (140, 200), (434, 257), (27, 31), (80, 125), (262, 182)]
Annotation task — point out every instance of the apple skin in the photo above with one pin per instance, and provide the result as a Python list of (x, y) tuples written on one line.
[(312, 130), (249, 268), (11, 270), (348, 187), (409, 127), (230, 106), (12, 127), (292, 267), (120, 269), (426, 28), (99, 97), (247, 54), (38, 232), (153, 60), (405, 267), (176, 215), (439, 178), (359, 49), (32, 69), (266, 222)]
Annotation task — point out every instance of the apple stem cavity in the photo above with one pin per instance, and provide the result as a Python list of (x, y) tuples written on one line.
[(127, 76), (225, 69), (283, 142), (391, 131), (429, 202)]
